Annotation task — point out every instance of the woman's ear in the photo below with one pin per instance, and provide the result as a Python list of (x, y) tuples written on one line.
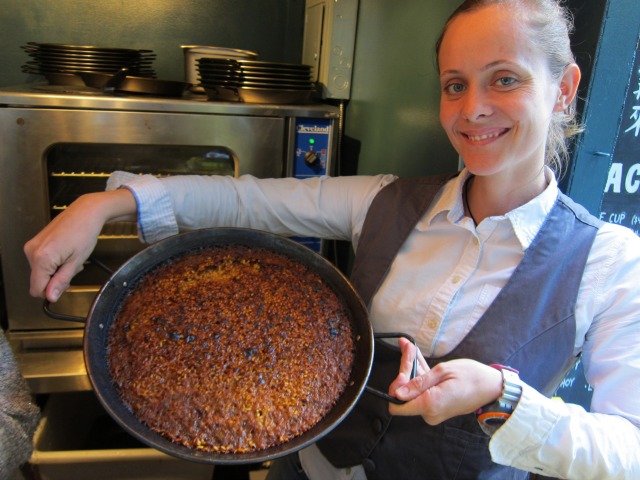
[(568, 87)]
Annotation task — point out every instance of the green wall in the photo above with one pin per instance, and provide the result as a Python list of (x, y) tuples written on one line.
[(391, 120), (393, 111), (392, 117), (273, 28)]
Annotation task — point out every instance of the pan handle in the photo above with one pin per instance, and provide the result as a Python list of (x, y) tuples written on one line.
[(100, 264), (116, 80), (46, 304), (414, 370)]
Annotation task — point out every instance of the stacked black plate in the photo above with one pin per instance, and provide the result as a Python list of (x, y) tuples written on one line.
[(254, 81), (64, 64)]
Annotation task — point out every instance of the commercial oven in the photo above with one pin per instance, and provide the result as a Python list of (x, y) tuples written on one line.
[(57, 146)]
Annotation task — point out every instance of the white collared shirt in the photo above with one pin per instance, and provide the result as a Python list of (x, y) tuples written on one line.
[(443, 279)]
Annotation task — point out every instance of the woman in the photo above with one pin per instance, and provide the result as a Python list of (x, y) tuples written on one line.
[(494, 266)]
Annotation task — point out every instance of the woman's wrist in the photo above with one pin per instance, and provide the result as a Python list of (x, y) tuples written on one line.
[(496, 384), (114, 205), (493, 415)]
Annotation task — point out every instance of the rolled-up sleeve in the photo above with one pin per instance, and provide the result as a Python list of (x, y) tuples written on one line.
[(155, 217)]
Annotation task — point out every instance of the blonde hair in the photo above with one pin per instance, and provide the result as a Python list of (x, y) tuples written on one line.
[(551, 25)]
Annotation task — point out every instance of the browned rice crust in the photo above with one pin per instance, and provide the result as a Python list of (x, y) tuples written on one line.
[(231, 349)]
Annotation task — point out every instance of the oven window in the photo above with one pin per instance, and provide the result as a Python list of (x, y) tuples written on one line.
[(74, 169), (78, 168)]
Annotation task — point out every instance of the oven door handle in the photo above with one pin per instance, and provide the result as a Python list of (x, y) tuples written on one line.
[(46, 304)]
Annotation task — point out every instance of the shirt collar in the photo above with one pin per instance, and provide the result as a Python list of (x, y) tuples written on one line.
[(525, 220)]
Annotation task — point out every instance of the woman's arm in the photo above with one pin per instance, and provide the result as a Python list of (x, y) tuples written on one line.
[(59, 251), (547, 436), (324, 207), (327, 207)]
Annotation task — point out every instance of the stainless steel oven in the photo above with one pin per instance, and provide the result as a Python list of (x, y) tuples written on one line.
[(56, 146)]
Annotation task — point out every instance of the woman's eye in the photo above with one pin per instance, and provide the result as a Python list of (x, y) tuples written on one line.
[(454, 88), (506, 81)]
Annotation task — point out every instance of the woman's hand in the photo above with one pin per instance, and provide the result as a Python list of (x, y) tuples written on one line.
[(447, 390), (58, 252)]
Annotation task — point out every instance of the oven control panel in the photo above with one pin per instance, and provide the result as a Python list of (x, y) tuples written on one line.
[(312, 146), (312, 159)]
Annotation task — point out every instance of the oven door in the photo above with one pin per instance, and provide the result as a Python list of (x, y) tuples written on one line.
[(50, 156)]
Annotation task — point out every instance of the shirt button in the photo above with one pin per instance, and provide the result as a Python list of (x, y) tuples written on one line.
[(369, 465), (456, 279), (377, 425), (433, 323)]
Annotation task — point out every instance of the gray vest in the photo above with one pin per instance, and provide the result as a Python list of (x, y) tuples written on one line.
[(531, 319)]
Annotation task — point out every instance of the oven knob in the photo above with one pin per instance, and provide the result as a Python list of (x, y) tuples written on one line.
[(311, 158)]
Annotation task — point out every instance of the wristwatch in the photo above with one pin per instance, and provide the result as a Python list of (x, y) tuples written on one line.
[(492, 416)]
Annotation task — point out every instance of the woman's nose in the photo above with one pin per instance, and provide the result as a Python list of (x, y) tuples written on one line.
[(475, 104)]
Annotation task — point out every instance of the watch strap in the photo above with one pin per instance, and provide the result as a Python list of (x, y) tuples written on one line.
[(492, 416)]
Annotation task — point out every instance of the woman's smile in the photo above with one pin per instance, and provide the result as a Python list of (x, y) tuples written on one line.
[(484, 137)]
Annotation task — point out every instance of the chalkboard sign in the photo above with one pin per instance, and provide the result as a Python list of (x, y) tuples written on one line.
[(620, 204), (605, 174), (621, 200), (574, 388)]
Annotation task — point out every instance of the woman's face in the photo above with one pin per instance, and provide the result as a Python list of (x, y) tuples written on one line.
[(497, 93)]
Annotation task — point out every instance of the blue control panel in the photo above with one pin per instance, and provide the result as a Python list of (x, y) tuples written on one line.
[(312, 157), (313, 136)]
